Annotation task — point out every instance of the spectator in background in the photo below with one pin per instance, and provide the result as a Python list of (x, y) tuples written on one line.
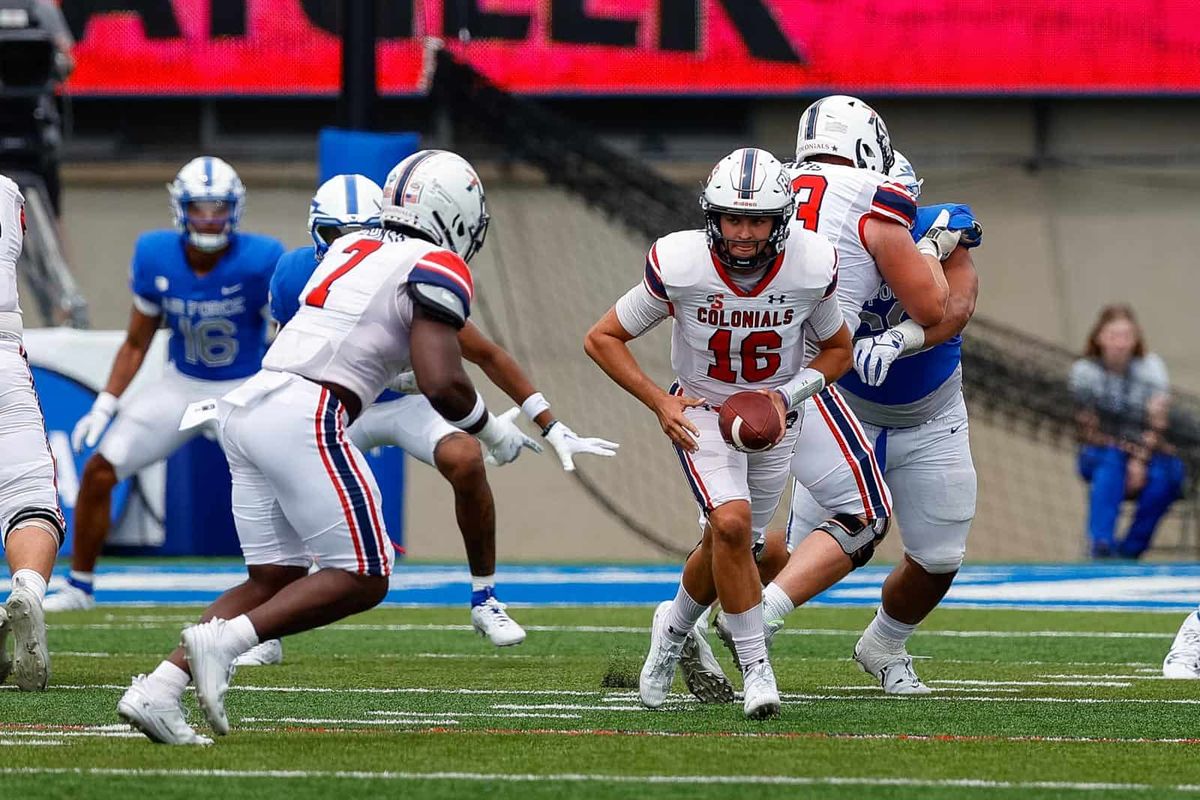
[(1123, 396)]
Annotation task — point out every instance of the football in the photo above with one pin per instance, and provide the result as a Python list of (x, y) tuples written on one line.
[(750, 423)]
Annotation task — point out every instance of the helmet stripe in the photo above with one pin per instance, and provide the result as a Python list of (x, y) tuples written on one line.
[(398, 198), (810, 125), (351, 195), (746, 182), (208, 170)]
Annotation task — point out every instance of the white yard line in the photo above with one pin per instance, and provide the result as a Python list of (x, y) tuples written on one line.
[(1115, 684), (728, 780)]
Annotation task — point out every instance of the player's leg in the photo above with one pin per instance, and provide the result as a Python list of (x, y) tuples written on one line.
[(1164, 484), (31, 524), (933, 480), (145, 430)]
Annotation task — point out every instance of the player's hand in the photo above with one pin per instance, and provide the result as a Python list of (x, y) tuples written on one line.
[(678, 428), (873, 356), (939, 241), (503, 440), (780, 409), (568, 445), (405, 383), (88, 430)]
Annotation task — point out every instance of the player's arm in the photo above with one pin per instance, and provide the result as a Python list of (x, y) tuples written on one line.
[(607, 343), (504, 371), (916, 279), (143, 322), (963, 283), (832, 361)]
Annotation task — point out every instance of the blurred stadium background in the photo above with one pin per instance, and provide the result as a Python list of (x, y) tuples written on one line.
[(1069, 126)]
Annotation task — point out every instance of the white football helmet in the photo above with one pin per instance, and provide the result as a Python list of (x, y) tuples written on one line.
[(207, 178), (343, 204), (905, 174), (438, 195), (840, 125), (748, 182)]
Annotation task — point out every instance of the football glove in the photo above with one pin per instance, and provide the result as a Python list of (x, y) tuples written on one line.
[(89, 429), (873, 356), (405, 383), (503, 440), (567, 444), (939, 241)]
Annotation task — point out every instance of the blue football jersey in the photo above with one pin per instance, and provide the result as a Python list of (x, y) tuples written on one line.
[(915, 376), (287, 284), (218, 329)]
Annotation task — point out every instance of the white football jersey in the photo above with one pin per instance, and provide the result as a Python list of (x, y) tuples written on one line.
[(12, 236), (836, 201), (727, 338), (355, 313)]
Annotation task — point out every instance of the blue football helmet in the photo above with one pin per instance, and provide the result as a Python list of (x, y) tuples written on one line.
[(207, 180), (343, 204)]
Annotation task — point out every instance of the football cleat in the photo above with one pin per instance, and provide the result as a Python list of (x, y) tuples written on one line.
[(69, 598), (1183, 659), (760, 695), (491, 620), (658, 673), (161, 719), (770, 628), (261, 655), (212, 667), (31, 658), (5, 658), (701, 671), (894, 671)]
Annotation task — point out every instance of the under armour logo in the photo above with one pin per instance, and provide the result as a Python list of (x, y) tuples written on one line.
[(776, 298)]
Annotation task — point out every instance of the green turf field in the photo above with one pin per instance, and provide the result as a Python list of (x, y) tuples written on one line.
[(403, 702)]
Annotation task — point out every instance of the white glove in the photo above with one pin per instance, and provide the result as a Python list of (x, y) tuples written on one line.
[(503, 439), (939, 241), (88, 430), (405, 383), (568, 445), (873, 356)]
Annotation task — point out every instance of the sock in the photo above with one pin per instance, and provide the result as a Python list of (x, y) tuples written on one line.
[(889, 632), (776, 603), (240, 634), (683, 615), (747, 630), (483, 588), (169, 679), (30, 580), (83, 581)]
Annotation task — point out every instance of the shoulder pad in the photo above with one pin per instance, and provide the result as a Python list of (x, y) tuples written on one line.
[(439, 302)]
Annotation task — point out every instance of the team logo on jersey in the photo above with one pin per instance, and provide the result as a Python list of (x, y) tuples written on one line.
[(717, 301), (776, 298), (228, 290), (161, 283)]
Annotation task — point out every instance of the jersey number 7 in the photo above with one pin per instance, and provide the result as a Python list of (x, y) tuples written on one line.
[(361, 249), (810, 191)]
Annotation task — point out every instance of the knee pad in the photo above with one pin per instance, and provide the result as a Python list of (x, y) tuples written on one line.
[(939, 565), (48, 519), (856, 538)]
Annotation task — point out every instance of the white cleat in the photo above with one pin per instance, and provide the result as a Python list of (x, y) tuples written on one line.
[(761, 696), (770, 628), (894, 671), (212, 669), (262, 654), (69, 598), (1183, 659), (31, 657), (161, 719), (5, 658), (658, 673), (491, 620), (701, 671)]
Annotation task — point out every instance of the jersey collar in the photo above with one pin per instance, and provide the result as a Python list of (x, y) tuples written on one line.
[(763, 282)]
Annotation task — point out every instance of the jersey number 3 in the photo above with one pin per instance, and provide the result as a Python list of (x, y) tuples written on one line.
[(759, 346), (360, 250), (808, 206)]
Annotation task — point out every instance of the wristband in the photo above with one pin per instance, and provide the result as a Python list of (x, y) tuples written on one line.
[(546, 430), (474, 421), (535, 404), (913, 336), (804, 385), (105, 403)]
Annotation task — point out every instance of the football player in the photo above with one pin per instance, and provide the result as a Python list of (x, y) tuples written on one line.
[(31, 523), (208, 281), (907, 392), (342, 205), (381, 301), (740, 293)]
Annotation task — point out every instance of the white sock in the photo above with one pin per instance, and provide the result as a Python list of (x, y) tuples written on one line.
[(889, 632), (169, 679), (32, 581), (776, 603), (240, 634), (481, 582), (747, 631), (683, 615), (83, 577)]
